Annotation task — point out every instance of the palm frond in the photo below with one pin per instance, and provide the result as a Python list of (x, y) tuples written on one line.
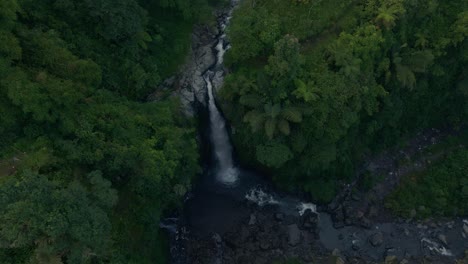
[(255, 119), (250, 100), (292, 114), (283, 127), (270, 127)]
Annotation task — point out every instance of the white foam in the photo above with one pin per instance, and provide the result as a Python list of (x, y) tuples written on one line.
[(303, 207), (433, 246), (260, 197), (221, 51), (228, 176)]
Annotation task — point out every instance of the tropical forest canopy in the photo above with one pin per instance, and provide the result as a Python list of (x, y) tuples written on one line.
[(316, 86), (87, 168)]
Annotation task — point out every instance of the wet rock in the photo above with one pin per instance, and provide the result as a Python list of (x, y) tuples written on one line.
[(294, 235), (340, 236), (338, 215), (389, 252), (442, 238), (252, 220), (348, 211), (404, 261), (169, 82), (406, 231), (359, 214), (355, 247), (244, 234), (260, 260), (217, 81), (264, 245), (338, 225), (279, 217), (376, 239), (365, 222), (336, 252), (373, 211), (356, 197), (465, 229)]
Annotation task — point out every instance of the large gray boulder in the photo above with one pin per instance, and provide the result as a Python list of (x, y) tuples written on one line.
[(376, 239), (294, 235)]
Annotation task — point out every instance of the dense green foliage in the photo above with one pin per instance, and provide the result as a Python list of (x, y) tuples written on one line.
[(318, 85), (86, 169), (442, 190)]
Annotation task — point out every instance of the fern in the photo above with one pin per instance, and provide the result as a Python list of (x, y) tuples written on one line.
[(255, 119), (270, 127), (250, 100), (292, 114), (283, 127)]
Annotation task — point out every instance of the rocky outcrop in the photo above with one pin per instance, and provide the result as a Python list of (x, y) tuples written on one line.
[(191, 85), (262, 237), (376, 239)]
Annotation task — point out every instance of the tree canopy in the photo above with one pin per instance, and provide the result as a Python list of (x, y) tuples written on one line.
[(85, 163), (333, 81)]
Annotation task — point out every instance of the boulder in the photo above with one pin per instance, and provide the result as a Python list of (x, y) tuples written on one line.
[(359, 214), (265, 245), (465, 229), (407, 232), (279, 216), (365, 222), (356, 197), (373, 211), (376, 239), (294, 235), (355, 247), (442, 238), (244, 234), (252, 220)]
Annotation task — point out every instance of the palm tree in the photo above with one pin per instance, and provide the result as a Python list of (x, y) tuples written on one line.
[(272, 118), (408, 64), (421, 40), (388, 13), (386, 17)]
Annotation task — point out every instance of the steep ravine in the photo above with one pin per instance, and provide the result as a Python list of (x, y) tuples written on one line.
[(236, 216)]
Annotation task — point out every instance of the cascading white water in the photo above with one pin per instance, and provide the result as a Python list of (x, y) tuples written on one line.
[(226, 172)]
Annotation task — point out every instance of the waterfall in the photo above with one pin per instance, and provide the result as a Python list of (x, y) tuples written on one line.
[(226, 172)]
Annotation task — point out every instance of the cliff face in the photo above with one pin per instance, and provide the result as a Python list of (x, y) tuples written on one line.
[(188, 84)]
